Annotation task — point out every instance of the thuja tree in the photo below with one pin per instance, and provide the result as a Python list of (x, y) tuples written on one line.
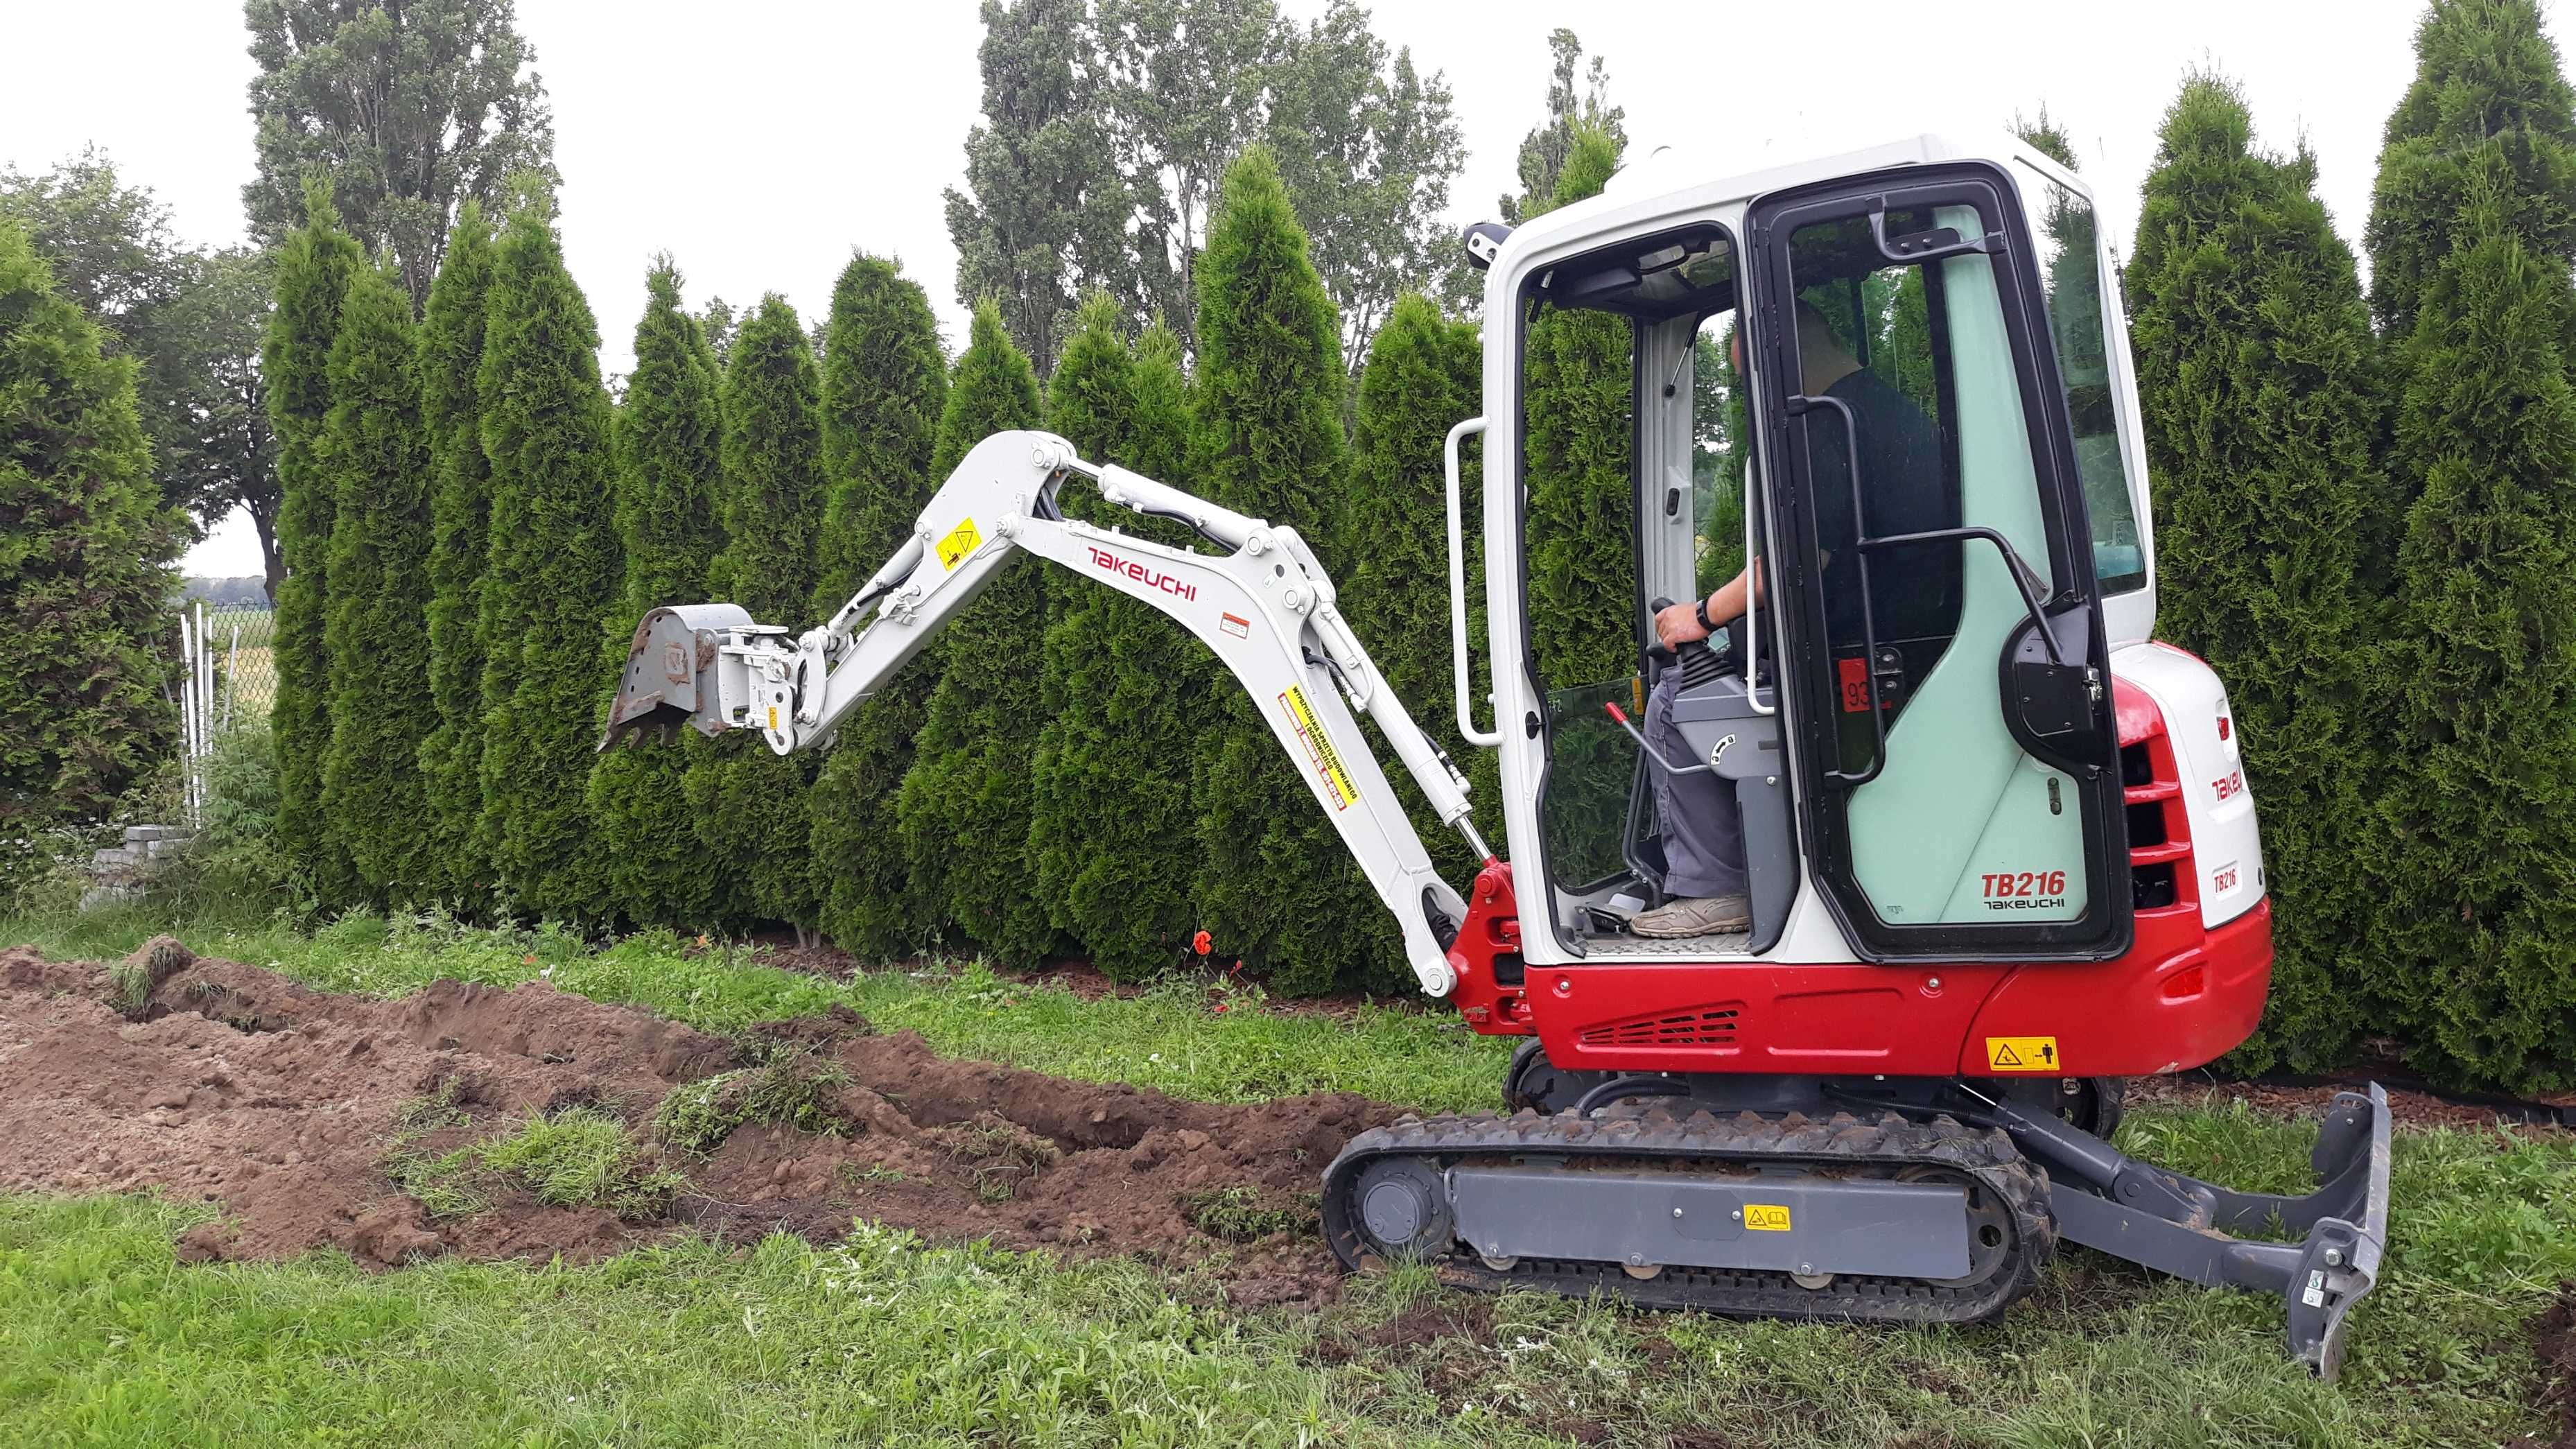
[(1110, 829), (1275, 884), (377, 453), (2471, 244), (554, 569), (451, 759), (2256, 368), (964, 807), (750, 803), (884, 385), (668, 476), (1423, 376), (1582, 567), (313, 273), (85, 551)]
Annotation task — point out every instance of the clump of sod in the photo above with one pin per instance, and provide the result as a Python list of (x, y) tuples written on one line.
[(792, 1089), (131, 982)]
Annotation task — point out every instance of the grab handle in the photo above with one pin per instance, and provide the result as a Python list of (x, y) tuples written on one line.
[(1458, 587)]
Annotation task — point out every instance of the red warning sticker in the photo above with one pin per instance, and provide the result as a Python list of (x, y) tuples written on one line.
[(1235, 624)]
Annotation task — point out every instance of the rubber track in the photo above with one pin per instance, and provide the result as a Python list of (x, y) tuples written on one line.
[(1891, 1142)]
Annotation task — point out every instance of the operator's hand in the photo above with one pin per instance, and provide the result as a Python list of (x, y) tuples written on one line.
[(1679, 625)]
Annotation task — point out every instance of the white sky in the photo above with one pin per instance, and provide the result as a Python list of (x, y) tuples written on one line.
[(759, 142)]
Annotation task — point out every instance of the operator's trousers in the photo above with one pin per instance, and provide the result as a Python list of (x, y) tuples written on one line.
[(1702, 826)]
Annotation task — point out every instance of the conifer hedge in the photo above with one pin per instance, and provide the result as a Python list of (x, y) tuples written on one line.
[(554, 571), (377, 455), (749, 802), (313, 273), (2473, 233), (885, 383), (669, 473), (451, 355), (2257, 371), (85, 553), (1110, 830), (1424, 374), (1275, 884), (963, 809)]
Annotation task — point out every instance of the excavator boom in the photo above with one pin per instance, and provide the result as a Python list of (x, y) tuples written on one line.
[(1265, 607)]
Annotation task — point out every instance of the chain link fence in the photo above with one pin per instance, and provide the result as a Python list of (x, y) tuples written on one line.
[(227, 682)]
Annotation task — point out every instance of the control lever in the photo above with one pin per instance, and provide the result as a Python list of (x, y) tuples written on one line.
[(1660, 763)]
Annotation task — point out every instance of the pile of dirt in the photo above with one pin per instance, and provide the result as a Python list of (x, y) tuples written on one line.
[(235, 1085)]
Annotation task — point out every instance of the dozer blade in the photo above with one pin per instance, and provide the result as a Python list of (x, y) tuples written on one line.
[(670, 676), (2180, 1225)]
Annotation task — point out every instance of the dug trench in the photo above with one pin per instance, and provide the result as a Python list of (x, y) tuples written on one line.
[(400, 1130)]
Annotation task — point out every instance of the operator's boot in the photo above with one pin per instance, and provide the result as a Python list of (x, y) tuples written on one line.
[(1693, 916)]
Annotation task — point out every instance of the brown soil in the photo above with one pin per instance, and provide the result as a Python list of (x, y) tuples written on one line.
[(2554, 1336), (2405, 1109), (240, 1087)]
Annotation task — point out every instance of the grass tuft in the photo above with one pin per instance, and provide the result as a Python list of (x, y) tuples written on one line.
[(583, 1157), (1003, 1157), (792, 1089), (1237, 1215)]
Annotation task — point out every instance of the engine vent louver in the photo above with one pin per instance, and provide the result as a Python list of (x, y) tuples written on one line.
[(1701, 1026)]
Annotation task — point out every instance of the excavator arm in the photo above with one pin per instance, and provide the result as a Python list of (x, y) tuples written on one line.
[(1265, 607)]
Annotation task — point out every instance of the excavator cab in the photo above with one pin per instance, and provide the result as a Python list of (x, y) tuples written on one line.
[(1995, 841)]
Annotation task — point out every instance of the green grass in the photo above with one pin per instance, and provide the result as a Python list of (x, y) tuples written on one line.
[(103, 1339), (793, 1088)]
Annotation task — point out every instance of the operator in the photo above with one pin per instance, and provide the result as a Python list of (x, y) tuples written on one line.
[(1901, 470)]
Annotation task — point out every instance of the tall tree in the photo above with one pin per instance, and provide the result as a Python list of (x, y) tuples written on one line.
[(669, 478), (1582, 514), (411, 107), (1044, 207), (964, 807), (377, 452), (1423, 375), (313, 273), (1275, 884), (885, 384), (460, 503), (192, 321), (1110, 828), (2471, 239), (553, 569), (1570, 108), (1367, 147), (1186, 84), (750, 803), (85, 551), (2258, 377)]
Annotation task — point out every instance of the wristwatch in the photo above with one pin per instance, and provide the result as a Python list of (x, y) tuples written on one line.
[(1701, 609)]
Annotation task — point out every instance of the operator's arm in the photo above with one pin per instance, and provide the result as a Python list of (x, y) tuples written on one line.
[(1679, 624)]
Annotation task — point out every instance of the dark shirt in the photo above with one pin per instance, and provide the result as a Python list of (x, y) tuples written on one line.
[(1904, 485)]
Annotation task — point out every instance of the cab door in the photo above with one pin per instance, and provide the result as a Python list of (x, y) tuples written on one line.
[(1943, 651)]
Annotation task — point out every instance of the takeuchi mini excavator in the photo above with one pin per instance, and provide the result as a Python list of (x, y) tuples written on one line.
[(1998, 848)]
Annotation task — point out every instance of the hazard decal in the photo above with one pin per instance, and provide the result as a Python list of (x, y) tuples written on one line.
[(2024, 1054), (1765, 1217), (961, 541), (1319, 748)]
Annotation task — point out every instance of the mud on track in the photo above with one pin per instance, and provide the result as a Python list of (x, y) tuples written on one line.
[(242, 1088)]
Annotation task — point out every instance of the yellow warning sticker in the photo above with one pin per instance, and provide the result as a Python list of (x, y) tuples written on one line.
[(1766, 1217), (961, 541), (1319, 748), (2023, 1054), (773, 719)]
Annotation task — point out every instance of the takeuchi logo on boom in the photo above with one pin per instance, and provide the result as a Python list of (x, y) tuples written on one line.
[(1108, 562)]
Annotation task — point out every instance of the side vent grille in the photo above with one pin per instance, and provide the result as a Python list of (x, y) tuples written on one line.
[(1702, 1026)]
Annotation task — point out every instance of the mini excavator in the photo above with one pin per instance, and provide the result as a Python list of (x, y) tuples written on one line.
[(1999, 850)]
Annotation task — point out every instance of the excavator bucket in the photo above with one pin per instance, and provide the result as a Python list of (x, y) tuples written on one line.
[(671, 675)]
